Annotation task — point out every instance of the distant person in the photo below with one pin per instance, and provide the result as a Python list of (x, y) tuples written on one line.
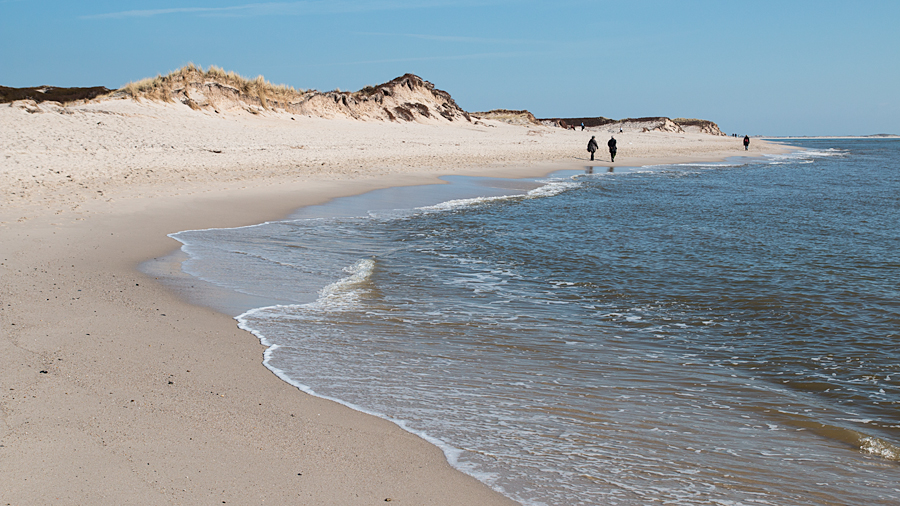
[(593, 146), (746, 142), (582, 126), (620, 129), (612, 148)]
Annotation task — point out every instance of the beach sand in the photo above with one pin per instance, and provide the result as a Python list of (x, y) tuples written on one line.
[(114, 390)]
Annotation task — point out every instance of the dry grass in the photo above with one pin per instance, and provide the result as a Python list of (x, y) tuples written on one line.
[(366, 91), (691, 121), (508, 116), (164, 88)]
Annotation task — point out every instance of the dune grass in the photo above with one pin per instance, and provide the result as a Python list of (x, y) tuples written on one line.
[(163, 88)]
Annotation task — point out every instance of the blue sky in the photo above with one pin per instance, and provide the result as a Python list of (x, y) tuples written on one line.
[(759, 67)]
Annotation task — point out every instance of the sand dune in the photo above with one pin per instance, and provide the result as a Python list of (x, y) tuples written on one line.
[(406, 98)]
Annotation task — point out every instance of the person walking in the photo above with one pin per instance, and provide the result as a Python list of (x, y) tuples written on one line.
[(612, 147), (592, 146), (746, 142)]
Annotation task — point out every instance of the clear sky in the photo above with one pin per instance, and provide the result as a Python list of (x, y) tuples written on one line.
[(758, 67)]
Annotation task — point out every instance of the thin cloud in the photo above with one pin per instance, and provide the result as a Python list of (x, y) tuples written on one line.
[(157, 12), (453, 38), (289, 8), (476, 56)]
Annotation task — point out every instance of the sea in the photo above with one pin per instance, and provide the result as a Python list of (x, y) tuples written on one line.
[(711, 333)]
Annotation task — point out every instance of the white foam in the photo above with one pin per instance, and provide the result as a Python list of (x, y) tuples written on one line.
[(549, 189), (803, 156), (875, 446), (345, 293), (175, 235), (553, 187)]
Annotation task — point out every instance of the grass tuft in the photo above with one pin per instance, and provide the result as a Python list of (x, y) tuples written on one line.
[(165, 88)]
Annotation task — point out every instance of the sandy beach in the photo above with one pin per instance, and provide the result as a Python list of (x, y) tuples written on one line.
[(114, 390)]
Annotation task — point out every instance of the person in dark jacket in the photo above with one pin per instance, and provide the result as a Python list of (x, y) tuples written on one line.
[(746, 142), (612, 148), (592, 146)]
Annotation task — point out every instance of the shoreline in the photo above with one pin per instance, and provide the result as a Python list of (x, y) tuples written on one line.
[(224, 428), (110, 377)]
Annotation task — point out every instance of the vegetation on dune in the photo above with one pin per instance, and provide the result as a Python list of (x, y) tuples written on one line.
[(165, 87), (508, 116), (691, 121), (51, 94)]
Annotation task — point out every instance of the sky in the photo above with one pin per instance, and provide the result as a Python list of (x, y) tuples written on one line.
[(756, 67)]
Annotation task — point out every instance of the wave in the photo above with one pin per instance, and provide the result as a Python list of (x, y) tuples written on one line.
[(804, 155), (864, 443), (345, 294), (550, 188)]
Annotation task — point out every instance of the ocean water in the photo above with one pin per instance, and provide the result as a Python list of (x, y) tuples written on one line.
[(721, 333)]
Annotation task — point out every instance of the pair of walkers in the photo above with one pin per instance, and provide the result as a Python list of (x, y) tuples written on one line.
[(592, 147)]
